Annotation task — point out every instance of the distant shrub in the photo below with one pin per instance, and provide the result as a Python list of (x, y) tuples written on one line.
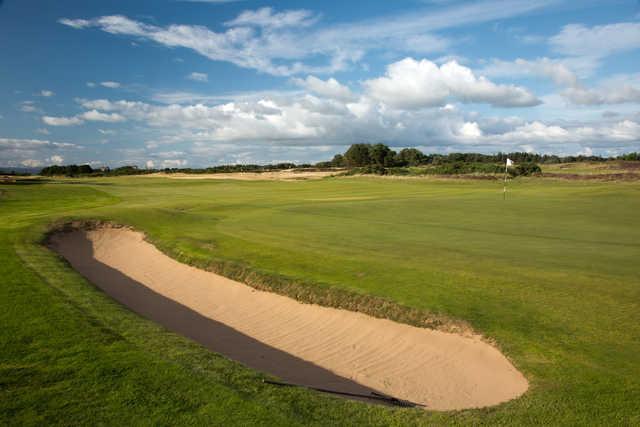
[(525, 169)]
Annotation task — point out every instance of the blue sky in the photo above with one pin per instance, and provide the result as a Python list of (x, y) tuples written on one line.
[(169, 83)]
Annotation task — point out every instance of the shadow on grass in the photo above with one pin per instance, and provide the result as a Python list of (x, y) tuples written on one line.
[(25, 181)]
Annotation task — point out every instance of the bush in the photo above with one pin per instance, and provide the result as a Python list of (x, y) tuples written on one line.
[(525, 169)]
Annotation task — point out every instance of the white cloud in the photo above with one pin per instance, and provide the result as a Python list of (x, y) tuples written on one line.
[(106, 131), (330, 88), (75, 23), (110, 84), (174, 163), (92, 115), (275, 42), (31, 144), (29, 152), (302, 121), (199, 98), (28, 107), (537, 132), (31, 163), (62, 121), (56, 159), (97, 116), (470, 130), (266, 17), (43, 131), (426, 44), (198, 77), (587, 151), (618, 89), (417, 84), (91, 84), (46, 93), (150, 164), (553, 69), (596, 41)]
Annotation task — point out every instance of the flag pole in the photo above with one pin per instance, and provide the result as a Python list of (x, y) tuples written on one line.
[(504, 187)]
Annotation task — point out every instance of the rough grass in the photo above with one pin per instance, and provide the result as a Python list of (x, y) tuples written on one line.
[(551, 275)]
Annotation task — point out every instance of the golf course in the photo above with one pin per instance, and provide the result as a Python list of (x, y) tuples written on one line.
[(548, 275)]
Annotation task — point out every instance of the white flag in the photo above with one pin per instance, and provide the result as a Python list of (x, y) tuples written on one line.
[(509, 162)]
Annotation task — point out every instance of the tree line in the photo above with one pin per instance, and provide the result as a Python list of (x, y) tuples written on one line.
[(370, 158), (87, 170), (359, 155)]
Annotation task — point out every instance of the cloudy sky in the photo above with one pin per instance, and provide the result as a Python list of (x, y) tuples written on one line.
[(174, 83)]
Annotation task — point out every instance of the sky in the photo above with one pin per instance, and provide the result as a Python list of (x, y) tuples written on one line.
[(193, 83)]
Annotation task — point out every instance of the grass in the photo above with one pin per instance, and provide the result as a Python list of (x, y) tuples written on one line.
[(550, 275), (592, 168)]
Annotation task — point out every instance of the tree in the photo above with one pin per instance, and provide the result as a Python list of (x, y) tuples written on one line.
[(338, 161), (357, 155), (381, 155), (410, 157)]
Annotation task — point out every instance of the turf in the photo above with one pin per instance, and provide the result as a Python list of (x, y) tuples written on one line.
[(550, 274)]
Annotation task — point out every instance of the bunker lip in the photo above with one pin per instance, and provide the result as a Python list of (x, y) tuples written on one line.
[(304, 344)]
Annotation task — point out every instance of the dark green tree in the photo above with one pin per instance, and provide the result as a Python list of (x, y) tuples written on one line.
[(338, 161), (357, 155), (410, 157), (382, 156)]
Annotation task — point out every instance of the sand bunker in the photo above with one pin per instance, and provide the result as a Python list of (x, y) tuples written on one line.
[(300, 343)]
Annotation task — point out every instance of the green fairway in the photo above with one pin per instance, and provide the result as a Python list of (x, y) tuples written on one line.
[(551, 274)]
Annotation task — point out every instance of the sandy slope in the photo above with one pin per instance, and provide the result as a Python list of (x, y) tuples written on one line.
[(281, 336)]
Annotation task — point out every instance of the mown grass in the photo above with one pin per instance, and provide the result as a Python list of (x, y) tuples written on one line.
[(550, 274)]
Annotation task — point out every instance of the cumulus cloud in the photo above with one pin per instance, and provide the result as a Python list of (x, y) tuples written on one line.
[(46, 93), (554, 69), (62, 121), (31, 144), (110, 84), (470, 130), (417, 84), (198, 77), (304, 121), (174, 163), (618, 89), (97, 116), (56, 159), (31, 163), (598, 41), (28, 107), (31, 152), (538, 132), (92, 115), (329, 88)]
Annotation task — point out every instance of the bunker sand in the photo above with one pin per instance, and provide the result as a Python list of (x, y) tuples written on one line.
[(301, 343)]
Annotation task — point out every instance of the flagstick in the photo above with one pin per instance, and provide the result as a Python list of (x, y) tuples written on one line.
[(504, 188)]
